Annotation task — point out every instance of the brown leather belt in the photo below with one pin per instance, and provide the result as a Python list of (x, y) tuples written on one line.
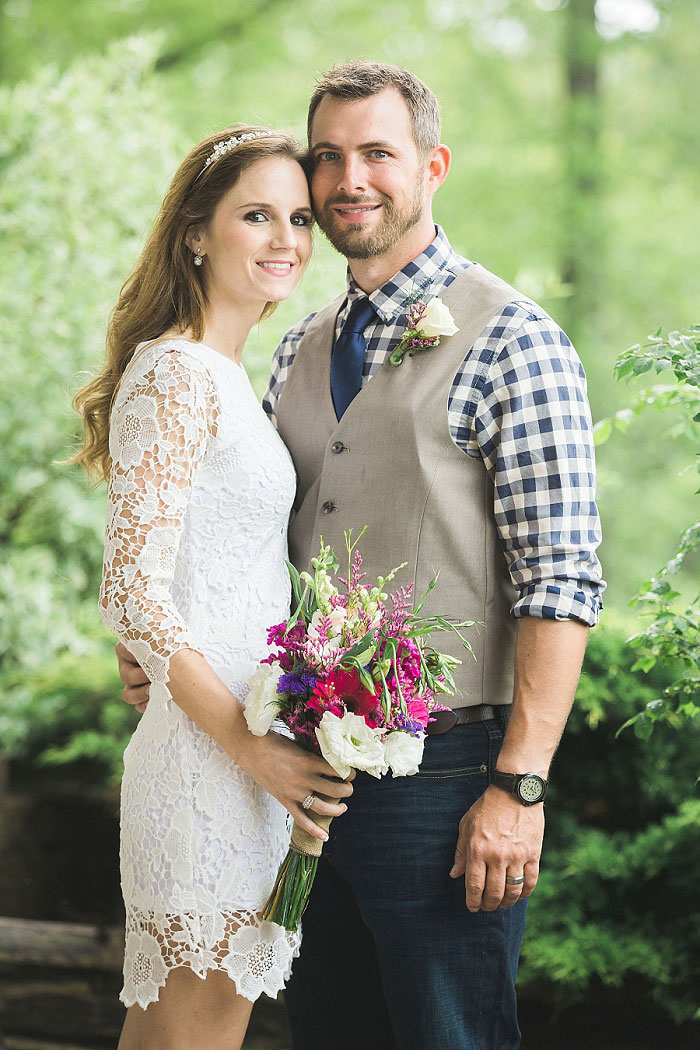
[(446, 720)]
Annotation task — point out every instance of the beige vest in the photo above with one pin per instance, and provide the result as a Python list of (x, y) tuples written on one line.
[(391, 464)]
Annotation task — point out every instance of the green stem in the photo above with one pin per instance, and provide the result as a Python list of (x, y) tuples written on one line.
[(290, 894)]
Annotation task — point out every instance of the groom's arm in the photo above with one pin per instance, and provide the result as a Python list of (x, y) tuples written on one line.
[(533, 429), (499, 835)]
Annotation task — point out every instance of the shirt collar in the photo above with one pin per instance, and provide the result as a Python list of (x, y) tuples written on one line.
[(390, 300)]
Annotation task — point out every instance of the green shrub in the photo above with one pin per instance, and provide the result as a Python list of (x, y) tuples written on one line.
[(671, 634), (69, 713), (616, 902)]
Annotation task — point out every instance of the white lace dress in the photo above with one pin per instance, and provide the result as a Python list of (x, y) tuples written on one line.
[(195, 544)]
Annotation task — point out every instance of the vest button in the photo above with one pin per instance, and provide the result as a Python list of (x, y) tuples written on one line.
[(328, 507), (337, 446)]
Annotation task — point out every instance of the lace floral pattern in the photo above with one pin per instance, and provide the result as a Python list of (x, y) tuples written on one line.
[(200, 492)]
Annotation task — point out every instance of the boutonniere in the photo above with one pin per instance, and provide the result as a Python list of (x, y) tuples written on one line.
[(426, 323)]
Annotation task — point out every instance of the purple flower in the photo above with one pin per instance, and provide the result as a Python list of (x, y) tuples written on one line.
[(409, 724), (297, 683)]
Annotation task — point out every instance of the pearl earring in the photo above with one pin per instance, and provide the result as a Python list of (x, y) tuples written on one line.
[(198, 260)]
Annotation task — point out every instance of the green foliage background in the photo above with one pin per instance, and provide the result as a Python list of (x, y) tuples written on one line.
[(97, 104), (614, 906)]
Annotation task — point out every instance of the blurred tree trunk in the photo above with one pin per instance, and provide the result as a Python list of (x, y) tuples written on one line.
[(582, 228), (226, 31)]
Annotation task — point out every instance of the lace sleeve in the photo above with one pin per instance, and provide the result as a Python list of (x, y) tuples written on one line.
[(160, 426)]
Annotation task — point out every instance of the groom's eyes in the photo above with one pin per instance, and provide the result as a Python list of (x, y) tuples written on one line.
[(328, 156)]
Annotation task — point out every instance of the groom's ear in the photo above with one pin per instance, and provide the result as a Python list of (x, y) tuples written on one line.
[(438, 167)]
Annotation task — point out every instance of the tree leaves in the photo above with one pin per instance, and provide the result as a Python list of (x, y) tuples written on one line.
[(672, 636), (86, 154)]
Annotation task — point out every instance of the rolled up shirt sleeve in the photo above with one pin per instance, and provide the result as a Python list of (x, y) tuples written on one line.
[(534, 432)]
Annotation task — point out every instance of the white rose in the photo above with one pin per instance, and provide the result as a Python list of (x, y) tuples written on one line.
[(437, 320), (349, 743), (404, 753), (262, 702)]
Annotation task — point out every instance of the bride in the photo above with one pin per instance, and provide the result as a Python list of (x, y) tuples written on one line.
[(200, 489)]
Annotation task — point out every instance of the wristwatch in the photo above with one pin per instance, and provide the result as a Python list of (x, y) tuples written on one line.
[(528, 788)]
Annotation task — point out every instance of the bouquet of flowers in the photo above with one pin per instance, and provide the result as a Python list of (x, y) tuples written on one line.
[(355, 679)]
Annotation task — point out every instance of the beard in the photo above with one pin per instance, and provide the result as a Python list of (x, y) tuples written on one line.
[(354, 242)]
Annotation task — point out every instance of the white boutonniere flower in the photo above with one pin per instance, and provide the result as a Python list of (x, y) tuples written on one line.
[(426, 323)]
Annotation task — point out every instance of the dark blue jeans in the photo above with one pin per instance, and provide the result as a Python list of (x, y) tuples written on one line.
[(391, 959)]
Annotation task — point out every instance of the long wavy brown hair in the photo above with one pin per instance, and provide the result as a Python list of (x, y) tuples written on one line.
[(165, 291)]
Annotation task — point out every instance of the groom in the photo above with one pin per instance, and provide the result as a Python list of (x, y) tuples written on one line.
[(474, 457)]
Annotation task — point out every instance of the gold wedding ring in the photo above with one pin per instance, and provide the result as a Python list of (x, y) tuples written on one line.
[(308, 802)]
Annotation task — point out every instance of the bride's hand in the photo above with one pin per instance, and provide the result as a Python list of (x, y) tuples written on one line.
[(291, 775)]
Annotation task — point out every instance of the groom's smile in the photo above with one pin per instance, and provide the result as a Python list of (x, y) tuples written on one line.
[(354, 212)]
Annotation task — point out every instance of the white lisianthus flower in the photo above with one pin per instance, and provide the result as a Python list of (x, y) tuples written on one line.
[(262, 702), (437, 320), (404, 753), (349, 743)]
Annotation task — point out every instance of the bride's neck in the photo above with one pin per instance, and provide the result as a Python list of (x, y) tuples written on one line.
[(227, 325), (226, 328)]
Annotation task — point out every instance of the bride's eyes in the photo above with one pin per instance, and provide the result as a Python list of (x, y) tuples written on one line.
[(255, 217)]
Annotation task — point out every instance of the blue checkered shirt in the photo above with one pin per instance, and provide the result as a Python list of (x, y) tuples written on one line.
[(519, 403)]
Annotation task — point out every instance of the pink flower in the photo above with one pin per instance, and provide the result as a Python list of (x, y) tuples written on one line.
[(276, 633), (343, 687), (324, 700), (290, 642), (418, 711)]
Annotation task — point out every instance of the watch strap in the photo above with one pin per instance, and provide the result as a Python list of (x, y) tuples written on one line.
[(505, 781)]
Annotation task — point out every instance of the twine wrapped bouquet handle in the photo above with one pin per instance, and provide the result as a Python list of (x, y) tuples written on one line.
[(290, 893), (305, 843)]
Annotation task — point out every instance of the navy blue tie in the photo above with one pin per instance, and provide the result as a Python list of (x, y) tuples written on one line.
[(348, 356)]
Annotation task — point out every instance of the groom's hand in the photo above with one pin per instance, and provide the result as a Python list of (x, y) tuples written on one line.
[(136, 684), (498, 838)]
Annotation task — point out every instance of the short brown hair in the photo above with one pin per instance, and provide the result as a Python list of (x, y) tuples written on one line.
[(360, 79)]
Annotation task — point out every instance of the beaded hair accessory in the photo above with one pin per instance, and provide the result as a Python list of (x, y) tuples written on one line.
[(222, 148)]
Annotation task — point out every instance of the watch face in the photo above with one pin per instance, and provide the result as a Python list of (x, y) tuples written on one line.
[(531, 788)]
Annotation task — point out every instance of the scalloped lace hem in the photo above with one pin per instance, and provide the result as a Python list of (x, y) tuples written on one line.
[(257, 955)]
